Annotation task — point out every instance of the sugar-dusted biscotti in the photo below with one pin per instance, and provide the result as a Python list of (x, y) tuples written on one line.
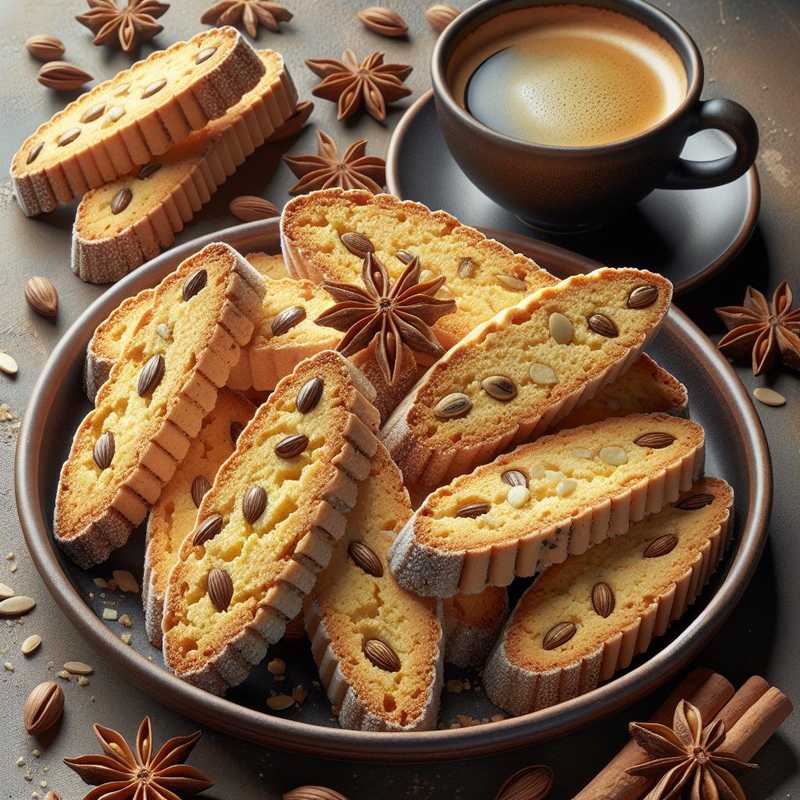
[(159, 390), (483, 276), (269, 523), (518, 374), (174, 513), (471, 623), (140, 113), (378, 647), (543, 501), (124, 223), (587, 618)]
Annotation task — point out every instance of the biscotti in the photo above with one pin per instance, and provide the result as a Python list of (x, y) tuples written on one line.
[(535, 505), (587, 618), (140, 113), (153, 403), (270, 265), (269, 523), (472, 623), (378, 647), (121, 225), (173, 515), (518, 374), (482, 275)]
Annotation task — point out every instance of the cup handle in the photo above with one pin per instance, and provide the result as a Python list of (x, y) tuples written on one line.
[(736, 121)]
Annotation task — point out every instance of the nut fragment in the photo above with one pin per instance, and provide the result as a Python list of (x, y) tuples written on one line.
[(603, 600), (514, 477), (103, 452), (8, 364), (45, 48), (384, 21), (43, 707), (405, 256), (452, 406), (512, 283), (254, 503), (466, 268), (440, 15), (559, 634), (93, 113), (613, 455), (561, 329), (518, 496), (204, 54), (153, 88), (249, 208), (220, 589), (358, 244), (63, 77), (543, 374), (365, 558), (381, 655), (78, 668), (42, 296), (530, 783), (499, 387), (566, 487)]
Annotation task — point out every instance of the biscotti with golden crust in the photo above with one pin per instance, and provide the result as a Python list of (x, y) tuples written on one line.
[(378, 647), (269, 523), (174, 513), (154, 401), (482, 275), (270, 265), (140, 113), (471, 623), (587, 618), (128, 221), (543, 501), (518, 374)]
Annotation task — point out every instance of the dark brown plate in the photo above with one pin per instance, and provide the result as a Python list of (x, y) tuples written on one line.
[(736, 451), (688, 236)]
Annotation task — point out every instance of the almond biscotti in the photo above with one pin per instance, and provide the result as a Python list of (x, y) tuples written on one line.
[(270, 265), (269, 523), (471, 623), (482, 275), (174, 513), (140, 113), (154, 401), (543, 501), (126, 222), (522, 371), (587, 618), (378, 647)]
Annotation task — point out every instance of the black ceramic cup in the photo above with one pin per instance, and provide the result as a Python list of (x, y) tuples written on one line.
[(579, 188)]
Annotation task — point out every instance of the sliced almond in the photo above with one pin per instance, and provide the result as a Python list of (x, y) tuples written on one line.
[(31, 644), (16, 606), (78, 668)]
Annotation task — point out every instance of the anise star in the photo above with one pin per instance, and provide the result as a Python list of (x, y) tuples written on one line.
[(371, 83), (120, 774), (353, 170), (251, 13), (687, 758), (129, 26), (760, 330), (398, 315)]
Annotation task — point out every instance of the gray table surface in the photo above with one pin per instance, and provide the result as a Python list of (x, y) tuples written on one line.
[(752, 52)]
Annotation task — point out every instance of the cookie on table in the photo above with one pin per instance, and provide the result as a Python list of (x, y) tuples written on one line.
[(378, 647), (174, 513), (471, 623), (159, 390), (140, 113), (270, 522), (543, 501), (524, 370), (586, 619)]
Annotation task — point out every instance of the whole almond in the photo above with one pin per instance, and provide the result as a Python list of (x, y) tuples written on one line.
[(603, 326), (603, 600), (514, 477), (62, 76), (151, 375), (440, 15), (661, 546), (194, 283), (45, 48), (381, 655), (200, 485), (291, 446), (43, 708), (384, 21), (207, 529), (313, 793), (253, 503), (42, 296), (309, 395), (220, 589), (8, 364), (104, 449), (453, 405), (693, 502), (287, 319), (358, 244), (642, 296), (249, 208), (559, 634), (365, 558), (473, 510), (656, 440), (530, 783)]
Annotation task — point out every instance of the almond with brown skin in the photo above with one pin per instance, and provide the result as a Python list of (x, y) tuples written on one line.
[(200, 485), (45, 48), (291, 446), (559, 634), (313, 793), (603, 600), (194, 283), (661, 546), (42, 296), (656, 440), (358, 244), (365, 557), (603, 326), (384, 21), (207, 529), (253, 503), (62, 76), (530, 783), (220, 589), (287, 319), (309, 395), (151, 375), (693, 502), (381, 655), (440, 15), (43, 708), (249, 208), (104, 449), (473, 510)]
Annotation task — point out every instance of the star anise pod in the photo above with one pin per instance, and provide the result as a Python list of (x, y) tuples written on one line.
[(398, 315), (687, 758), (129, 26), (760, 330), (353, 170), (371, 83), (250, 13), (120, 774)]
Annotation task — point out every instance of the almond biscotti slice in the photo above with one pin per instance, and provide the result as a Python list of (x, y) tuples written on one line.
[(483, 276), (140, 113), (471, 623), (269, 523), (124, 223), (545, 500), (522, 371), (378, 647), (153, 403), (174, 513), (587, 618), (270, 265)]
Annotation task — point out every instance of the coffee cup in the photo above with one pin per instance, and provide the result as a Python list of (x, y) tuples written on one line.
[(568, 113)]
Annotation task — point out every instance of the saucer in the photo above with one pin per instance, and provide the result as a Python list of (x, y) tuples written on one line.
[(686, 235)]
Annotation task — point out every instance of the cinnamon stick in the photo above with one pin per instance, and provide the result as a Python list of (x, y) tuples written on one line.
[(703, 688), (758, 722), (749, 692)]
